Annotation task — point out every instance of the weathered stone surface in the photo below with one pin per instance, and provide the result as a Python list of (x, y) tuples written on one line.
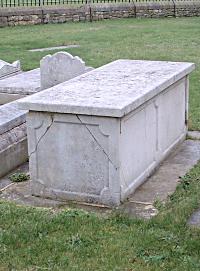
[(194, 220), (13, 138), (99, 11), (7, 98), (7, 69), (159, 186), (5, 181), (20, 193), (194, 135), (112, 133), (164, 181), (24, 83), (55, 69), (112, 90), (11, 116), (154, 9), (3, 21), (13, 148), (20, 85), (60, 67)]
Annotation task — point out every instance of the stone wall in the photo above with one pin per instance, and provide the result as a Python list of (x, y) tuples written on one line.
[(44, 15)]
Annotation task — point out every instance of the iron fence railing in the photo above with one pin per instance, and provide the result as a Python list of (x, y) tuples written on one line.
[(38, 3)]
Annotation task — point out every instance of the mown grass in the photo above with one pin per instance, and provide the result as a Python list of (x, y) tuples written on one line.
[(37, 239), (102, 42)]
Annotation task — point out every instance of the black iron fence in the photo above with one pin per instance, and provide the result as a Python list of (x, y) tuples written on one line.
[(38, 3)]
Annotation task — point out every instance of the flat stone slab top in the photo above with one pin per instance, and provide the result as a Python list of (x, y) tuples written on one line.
[(112, 90), (11, 116), (7, 69), (22, 84), (54, 48)]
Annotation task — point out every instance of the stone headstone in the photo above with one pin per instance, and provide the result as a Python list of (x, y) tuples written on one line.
[(60, 67), (7, 69)]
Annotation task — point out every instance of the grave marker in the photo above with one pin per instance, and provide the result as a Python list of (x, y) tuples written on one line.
[(7, 69), (60, 67)]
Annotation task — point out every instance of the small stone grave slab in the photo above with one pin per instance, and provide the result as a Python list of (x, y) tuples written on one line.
[(19, 85), (60, 67), (105, 132), (54, 48), (11, 116), (194, 220), (7, 69)]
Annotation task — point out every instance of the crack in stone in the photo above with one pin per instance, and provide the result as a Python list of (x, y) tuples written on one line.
[(123, 177), (47, 129), (97, 142)]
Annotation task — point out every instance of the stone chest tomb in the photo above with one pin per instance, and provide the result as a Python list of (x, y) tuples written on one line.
[(97, 137)]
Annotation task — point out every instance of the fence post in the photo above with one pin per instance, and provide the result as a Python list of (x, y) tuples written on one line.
[(134, 7), (90, 14), (88, 2), (174, 8)]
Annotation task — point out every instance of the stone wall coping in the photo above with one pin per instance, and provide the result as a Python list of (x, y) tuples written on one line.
[(113, 7), (20, 11), (112, 90), (154, 4), (11, 116), (61, 9), (187, 3)]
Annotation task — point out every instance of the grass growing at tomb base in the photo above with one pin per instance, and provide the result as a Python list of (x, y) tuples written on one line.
[(38, 239), (102, 42)]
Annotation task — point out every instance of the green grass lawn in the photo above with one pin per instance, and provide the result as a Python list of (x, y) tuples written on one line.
[(102, 42), (38, 239)]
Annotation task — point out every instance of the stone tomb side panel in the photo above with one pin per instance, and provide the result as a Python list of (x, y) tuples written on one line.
[(149, 133), (138, 143), (172, 115), (73, 157)]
